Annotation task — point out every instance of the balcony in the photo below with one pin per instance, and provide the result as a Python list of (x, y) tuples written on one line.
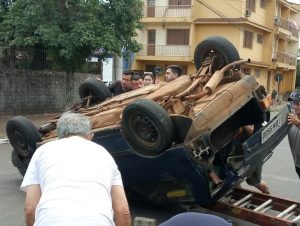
[(285, 27), (165, 50), (285, 60), (168, 11)]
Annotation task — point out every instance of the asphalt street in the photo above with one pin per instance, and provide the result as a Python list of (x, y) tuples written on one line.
[(278, 172), (12, 198)]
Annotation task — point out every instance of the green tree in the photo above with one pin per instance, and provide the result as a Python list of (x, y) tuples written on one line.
[(73, 29)]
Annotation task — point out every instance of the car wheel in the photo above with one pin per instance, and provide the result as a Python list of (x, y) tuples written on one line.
[(147, 127), (20, 163), (22, 135), (95, 88), (224, 51)]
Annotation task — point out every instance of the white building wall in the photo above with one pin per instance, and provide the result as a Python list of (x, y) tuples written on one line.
[(107, 70)]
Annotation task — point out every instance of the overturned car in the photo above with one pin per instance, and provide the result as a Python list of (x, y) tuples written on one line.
[(168, 138)]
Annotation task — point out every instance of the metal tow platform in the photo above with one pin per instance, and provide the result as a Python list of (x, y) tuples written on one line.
[(258, 208)]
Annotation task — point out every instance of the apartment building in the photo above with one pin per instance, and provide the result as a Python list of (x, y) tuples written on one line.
[(266, 31)]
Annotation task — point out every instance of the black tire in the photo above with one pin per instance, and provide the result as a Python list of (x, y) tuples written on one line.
[(20, 163), (147, 127), (22, 135), (224, 51), (96, 88)]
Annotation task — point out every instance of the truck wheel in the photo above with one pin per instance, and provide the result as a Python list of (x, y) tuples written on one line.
[(224, 51), (95, 88), (147, 127), (22, 135), (20, 163)]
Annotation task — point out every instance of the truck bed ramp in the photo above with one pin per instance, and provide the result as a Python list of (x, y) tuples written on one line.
[(258, 208)]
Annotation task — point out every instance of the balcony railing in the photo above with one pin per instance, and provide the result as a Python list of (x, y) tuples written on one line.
[(293, 60), (165, 50), (286, 58), (287, 25), (168, 11)]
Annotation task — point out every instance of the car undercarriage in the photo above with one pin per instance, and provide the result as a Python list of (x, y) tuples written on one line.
[(175, 142)]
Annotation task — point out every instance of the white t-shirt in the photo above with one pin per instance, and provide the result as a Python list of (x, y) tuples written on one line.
[(75, 176)]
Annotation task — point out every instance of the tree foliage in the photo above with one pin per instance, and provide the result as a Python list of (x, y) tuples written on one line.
[(72, 29), (4, 6)]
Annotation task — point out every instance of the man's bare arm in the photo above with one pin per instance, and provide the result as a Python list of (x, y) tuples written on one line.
[(33, 195), (120, 206)]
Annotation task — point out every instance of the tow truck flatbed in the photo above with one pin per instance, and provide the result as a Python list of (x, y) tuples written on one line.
[(243, 205)]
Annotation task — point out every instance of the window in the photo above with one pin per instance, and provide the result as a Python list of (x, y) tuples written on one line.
[(151, 36), (250, 4), (150, 2), (151, 8), (246, 71), (248, 39), (151, 42), (257, 73), (262, 4), (260, 39), (178, 36), (179, 3)]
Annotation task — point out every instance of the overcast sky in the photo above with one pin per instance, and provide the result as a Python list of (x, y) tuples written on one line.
[(294, 1)]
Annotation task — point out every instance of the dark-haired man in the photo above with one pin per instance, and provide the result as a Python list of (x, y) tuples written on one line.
[(121, 86), (173, 72), (136, 82)]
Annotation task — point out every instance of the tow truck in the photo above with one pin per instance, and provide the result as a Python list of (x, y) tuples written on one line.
[(245, 207)]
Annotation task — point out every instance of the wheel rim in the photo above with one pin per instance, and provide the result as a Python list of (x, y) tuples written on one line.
[(20, 143), (145, 130)]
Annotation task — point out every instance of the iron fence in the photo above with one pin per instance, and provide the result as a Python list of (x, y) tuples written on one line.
[(21, 58), (24, 58)]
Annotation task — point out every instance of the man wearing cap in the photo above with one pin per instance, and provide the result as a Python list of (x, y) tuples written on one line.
[(121, 86), (195, 219), (294, 132)]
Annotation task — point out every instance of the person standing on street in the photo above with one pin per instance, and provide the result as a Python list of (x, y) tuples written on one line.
[(73, 181), (294, 132)]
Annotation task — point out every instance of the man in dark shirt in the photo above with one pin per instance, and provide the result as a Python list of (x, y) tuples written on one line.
[(121, 86)]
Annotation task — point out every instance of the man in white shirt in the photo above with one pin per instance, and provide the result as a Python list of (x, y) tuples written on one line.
[(74, 181)]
